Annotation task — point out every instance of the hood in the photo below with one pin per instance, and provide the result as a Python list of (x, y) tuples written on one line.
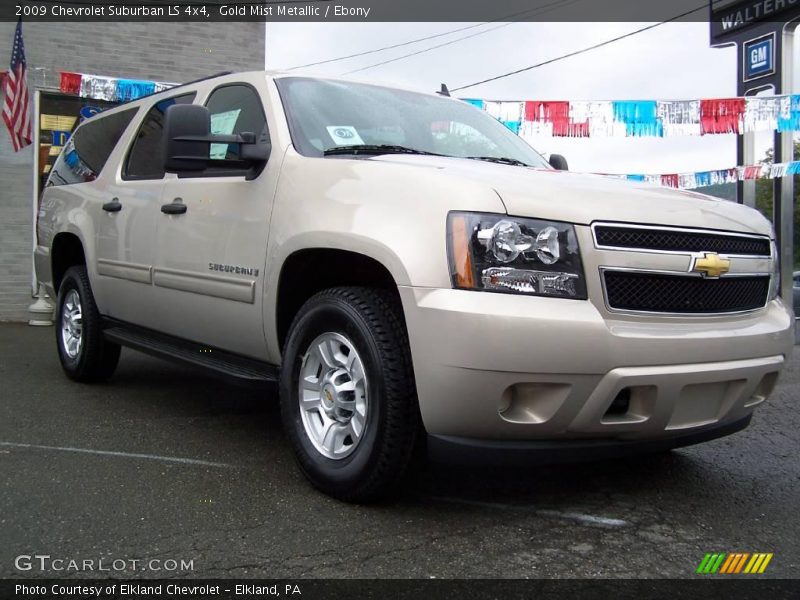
[(584, 198)]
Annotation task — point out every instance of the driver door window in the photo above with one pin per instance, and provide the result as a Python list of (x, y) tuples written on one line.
[(234, 109)]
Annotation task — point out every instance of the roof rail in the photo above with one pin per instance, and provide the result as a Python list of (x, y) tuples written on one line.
[(220, 74), (180, 85)]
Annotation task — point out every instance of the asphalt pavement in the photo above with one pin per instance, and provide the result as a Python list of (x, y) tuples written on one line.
[(166, 463)]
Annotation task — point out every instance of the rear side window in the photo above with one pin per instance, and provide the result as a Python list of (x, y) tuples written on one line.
[(86, 152), (145, 158)]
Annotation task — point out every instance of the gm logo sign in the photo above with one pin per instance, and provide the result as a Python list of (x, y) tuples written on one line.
[(759, 57)]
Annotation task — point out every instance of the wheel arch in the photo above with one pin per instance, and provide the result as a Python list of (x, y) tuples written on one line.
[(308, 271), (67, 250)]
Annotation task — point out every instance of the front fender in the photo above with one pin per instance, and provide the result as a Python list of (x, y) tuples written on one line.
[(394, 213)]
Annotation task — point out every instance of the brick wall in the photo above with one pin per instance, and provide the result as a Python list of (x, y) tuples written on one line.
[(151, 51)]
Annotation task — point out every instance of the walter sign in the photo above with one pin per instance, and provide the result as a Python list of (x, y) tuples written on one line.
[(757, 28), (759, 57)]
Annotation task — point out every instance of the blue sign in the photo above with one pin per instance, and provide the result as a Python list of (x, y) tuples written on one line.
[(60, 138), (88, 112), (759, 57)]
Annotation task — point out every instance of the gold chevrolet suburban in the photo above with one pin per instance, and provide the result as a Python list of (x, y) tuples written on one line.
[(408, 271)]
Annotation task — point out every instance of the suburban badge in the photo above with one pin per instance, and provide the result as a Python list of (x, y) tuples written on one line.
[(238, 270)]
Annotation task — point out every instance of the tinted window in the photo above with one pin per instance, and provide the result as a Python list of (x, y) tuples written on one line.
[(86, 152), (235, 109), (145, 159)]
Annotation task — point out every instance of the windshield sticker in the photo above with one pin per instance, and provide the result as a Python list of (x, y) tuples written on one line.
[(344, 135), (222, 124)]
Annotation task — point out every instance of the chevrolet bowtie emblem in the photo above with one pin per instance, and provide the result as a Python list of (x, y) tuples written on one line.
[(710, 264)]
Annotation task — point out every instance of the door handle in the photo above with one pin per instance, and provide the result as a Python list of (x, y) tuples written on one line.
[(176, 207), (113, 206)]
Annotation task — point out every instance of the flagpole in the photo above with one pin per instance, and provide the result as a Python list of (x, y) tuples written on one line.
[(36, 125), (41, 311)]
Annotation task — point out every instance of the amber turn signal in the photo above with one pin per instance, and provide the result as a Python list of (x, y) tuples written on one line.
[(462, 258)]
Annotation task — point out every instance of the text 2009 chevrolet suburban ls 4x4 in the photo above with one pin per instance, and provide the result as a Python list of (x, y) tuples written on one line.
[(406, 266)]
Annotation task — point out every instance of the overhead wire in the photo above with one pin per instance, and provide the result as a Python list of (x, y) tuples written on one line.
[(581, 51), (401, 44), (422, 39), (538, 10)]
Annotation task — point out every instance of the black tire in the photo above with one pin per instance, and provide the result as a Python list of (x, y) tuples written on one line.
[(372, 321), (96, 359)]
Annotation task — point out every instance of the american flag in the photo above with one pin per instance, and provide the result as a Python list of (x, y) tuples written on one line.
[(16, 110)]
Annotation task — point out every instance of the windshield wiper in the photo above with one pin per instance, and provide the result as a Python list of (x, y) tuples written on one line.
[(500, 159), (375, 149)]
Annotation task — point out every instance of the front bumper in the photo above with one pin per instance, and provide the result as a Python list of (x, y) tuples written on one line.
[(514, 368), (467, 451)]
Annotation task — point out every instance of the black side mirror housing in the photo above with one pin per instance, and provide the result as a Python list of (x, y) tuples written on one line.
[(188, 139), (558, 162), (258, 151), (182, 121)]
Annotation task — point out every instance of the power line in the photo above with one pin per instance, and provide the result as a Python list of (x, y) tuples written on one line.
[(410, 42), (582, 51), (391, 60), (537, 10)]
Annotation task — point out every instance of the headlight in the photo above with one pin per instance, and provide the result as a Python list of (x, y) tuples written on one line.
[(508, 254)]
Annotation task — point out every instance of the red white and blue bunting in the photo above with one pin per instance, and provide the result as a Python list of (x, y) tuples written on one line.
[(642, 118), (645, 118), (112, 89), (688, 181), (606, 118)]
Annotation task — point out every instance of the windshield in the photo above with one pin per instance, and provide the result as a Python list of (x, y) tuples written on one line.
[(327, 116)]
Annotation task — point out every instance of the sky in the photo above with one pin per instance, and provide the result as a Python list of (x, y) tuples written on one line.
[(671, 62)]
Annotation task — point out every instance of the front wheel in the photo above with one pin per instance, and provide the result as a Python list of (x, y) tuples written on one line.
[(84, 353), (348, 399)]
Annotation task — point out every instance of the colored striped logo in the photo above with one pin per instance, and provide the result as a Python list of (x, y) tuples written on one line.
[(731, 563)]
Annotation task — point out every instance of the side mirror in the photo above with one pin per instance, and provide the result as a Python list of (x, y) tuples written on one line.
[(558, 162), (258, 151), (188, 139), (184, 125)]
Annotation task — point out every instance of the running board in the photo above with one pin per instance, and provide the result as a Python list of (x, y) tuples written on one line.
[(238, 369)]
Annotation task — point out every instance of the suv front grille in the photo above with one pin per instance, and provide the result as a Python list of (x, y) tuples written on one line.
[(676, 240), (655, 292)]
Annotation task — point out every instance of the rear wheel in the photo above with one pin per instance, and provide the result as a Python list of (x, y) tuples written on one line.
[(348, 398), (84, 353)]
